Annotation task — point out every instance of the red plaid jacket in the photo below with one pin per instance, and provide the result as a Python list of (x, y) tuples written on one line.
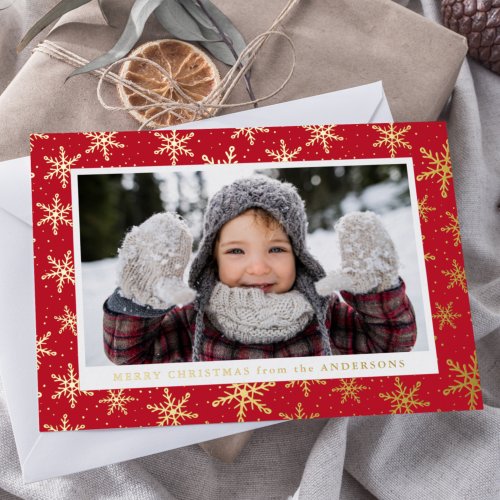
[(367, 323)]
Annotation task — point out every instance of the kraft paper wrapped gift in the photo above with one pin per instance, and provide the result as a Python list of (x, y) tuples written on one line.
[(338, 44)]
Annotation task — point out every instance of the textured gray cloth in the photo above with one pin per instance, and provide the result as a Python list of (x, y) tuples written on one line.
[(428, 456), (281, 200)]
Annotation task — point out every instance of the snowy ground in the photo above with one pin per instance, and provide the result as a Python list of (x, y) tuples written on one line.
[(99, 279)]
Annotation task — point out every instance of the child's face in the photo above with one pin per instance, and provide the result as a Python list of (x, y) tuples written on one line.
[(249, 253)]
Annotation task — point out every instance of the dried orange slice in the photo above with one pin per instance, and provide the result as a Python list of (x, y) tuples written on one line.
[(193, 71)]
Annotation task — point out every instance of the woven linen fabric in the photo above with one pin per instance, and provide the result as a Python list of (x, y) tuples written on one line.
[(428, 456)]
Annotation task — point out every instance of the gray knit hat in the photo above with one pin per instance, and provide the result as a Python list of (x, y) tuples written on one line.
[(279, 199)]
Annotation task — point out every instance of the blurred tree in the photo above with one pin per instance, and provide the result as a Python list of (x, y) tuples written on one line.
[(143, 199), (324, 188), (110, 205), (188, 197), (100, 215), (198, 208), (202, 190)]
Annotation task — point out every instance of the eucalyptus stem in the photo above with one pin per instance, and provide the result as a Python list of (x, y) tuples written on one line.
[(230, 46)]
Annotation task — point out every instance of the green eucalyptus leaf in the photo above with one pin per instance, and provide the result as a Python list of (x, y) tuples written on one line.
[(139, 14), (220, 51), (201, 18), (103, 12), (174, 18), (223, 22), (52, 15), (185, 20), (211, 19)]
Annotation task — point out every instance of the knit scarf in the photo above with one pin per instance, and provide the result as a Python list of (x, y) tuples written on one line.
[(250, 316)]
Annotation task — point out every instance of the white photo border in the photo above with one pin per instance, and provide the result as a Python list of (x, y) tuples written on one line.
[(246, 371)]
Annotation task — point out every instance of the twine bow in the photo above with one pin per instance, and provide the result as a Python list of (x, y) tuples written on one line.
[(189, 109)]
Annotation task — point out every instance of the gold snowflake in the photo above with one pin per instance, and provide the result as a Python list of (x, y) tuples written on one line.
[(174, 145), (55, 214), (283, 154), (424, 209), (404, 400), (69, 386), (349, 389), (172, 412), (41, 349), (249, 133), (62, 270), (456, 276), (391, 138), (440, 166), (322, 134), (467, 379), (64, 426), (33, 137), (245, 395), (428, 255), (453, 228), (67, 320), (299, 414), (446, 316), (230, 158), (61, 166), (117, 401), (103, 141), (305, 385)]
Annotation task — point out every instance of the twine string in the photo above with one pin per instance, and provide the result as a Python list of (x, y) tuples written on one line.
[(255, 45), (187, 108)]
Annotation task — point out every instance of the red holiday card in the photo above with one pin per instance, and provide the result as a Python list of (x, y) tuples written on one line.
[(90, 189)]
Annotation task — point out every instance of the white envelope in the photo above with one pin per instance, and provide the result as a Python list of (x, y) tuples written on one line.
[(50, 454)]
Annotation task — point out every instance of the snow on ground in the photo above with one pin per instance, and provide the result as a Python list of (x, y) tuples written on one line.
[(99, 279)]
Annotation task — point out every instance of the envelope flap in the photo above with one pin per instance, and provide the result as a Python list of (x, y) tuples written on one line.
[(15, 188), (382, 113), (115, 445), (353, 105)]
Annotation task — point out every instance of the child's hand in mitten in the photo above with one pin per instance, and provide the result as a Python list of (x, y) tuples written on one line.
[(152, 260), (369, 259)]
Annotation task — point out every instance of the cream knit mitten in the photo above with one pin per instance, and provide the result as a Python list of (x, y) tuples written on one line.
[(369, 259), (152, 260)]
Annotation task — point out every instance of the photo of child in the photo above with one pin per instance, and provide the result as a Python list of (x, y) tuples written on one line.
[(254, 290)]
